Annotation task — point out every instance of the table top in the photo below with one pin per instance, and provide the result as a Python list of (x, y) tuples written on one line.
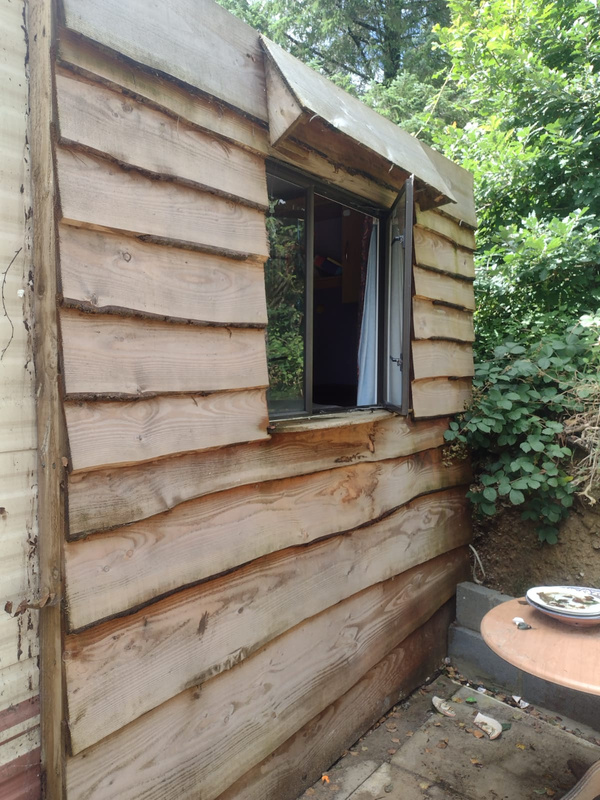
[(556, 652)]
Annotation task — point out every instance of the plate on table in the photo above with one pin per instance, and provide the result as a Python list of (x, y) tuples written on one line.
[(574, 601), (569, 619)]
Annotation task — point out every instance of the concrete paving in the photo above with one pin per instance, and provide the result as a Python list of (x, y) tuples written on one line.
[(415, 753)]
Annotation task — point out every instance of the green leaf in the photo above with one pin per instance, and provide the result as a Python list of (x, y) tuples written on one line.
[(516, 497), (490, 494)]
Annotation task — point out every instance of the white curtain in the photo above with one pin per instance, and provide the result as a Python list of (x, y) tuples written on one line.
[(367, 348)]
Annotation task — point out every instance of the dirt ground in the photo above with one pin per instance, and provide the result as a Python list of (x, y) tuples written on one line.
[(515, 560)]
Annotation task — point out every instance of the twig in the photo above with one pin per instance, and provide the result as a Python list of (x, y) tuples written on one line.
[(6, 314)]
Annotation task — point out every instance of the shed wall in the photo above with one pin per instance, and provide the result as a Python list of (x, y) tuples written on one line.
[(232, 591), (19, 701)]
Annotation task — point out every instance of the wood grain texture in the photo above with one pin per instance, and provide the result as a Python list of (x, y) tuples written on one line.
[(111, 272), (51, 439), (105, 433), (124, 357), (284, 112), (180, 102), (105, 122), (434, 397), (437, 286), (207, 114), (110, 573), (211, 735), (433, 321), (435, 359), (438, 252), (97, 193), (438, 222), (301, 761), (195, 634), (109, 498), (195, 41)]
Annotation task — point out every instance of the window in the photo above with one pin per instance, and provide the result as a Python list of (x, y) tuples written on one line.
[(338, 298)]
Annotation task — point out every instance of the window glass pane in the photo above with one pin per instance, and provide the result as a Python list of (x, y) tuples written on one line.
[(285, 281)]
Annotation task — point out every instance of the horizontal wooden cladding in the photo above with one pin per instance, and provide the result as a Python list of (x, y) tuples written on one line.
[(94, 117), (106, 433), (97, 193), (438, 396), (187, 638), (21, 779), (180, 102), (210, 736), (120, 356), (310, 752), (437, 286), (195, 41), (438, 252), (435, 359), (110, 573), (208, 115), (436, 321), (104, 271), (109, 498), (437, 222)]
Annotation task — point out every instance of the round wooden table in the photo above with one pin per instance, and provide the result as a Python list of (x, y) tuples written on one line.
[(559, 653)]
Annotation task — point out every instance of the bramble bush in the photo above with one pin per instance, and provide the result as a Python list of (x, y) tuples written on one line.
[(517, 426)]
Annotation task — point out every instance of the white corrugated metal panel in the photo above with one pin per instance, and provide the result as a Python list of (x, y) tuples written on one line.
[(18, 491)]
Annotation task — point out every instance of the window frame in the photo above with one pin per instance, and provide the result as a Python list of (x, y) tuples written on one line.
[(312, 185)]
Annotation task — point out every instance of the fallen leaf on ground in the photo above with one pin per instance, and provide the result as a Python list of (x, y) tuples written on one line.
[(364, 749), (443, 744), (478, 734), (392, 750), (325, 778), (309, 792), (391, 726), (408, 733), (476, 762), (457, 699), (395, 740), (333, 787), (424, 785), (521, 746), (470, 699)]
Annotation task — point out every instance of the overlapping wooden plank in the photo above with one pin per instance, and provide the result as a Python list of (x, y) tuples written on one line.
[(105, 271), (166, 95), (125, 357), (210, 736), (435, 359), (310, 752), (436, 321), (21, 779), (196, 41), (109, 498), (212, 116), (438, 222), (96, 193), (434, 397), (103, 433), (437, 286), (438, 252), (91, 116), (204, 630), (110, 573)]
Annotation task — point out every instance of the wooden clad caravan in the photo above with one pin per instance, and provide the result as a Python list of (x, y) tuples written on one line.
[(228, 591)]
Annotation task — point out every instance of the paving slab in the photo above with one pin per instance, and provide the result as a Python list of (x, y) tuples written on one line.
[(528, 761)]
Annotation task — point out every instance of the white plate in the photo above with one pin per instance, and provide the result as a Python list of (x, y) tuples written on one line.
[(578, 601)]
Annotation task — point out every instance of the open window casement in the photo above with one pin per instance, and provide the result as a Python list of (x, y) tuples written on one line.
[(396, 366)]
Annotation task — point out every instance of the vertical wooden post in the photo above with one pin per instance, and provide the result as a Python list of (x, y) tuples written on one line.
[(50, 425)]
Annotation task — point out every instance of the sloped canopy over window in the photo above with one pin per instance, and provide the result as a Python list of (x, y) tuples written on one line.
[(305, 104)]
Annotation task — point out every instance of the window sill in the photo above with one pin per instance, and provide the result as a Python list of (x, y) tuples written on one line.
[(323, 421)]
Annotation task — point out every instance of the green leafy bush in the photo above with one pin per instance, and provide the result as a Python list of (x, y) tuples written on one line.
[(516, 425)]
